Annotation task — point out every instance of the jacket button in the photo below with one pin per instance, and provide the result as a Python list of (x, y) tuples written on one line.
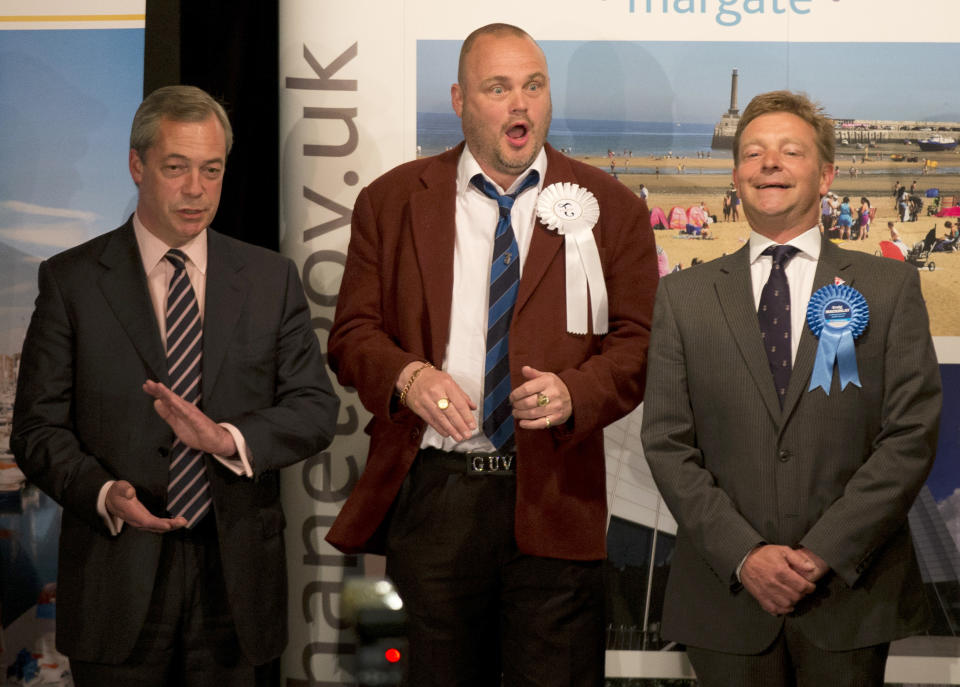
[(415, 434), (784, 456)]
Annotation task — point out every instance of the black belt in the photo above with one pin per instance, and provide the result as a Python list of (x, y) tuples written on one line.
[(471, 463)]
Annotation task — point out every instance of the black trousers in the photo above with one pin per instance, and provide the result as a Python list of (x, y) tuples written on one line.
[(481, 613), (791, 661), (188, 639)]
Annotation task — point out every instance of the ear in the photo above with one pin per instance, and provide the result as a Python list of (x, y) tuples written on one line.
[(736, 186), (456, 99), (136, 167), (827, 172)]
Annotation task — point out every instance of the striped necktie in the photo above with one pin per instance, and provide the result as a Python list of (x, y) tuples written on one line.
[(774, 318), (188, 491), (504, 284)]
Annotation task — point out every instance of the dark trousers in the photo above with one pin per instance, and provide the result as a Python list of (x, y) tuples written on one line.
[(188, 638), (478, 608), (791, 661)]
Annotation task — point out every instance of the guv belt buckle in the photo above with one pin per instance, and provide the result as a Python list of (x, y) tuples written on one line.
[(478, 463)]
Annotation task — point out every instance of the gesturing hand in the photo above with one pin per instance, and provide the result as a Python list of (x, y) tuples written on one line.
[(122, 502), (189, 423)]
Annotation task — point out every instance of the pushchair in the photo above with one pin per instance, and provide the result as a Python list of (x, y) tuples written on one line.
[(919, 255)]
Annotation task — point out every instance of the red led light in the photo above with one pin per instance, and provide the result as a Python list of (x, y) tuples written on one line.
[(392, 655)]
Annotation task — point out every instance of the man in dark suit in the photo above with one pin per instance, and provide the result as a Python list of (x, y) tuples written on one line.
[(171, 567), (790, 482), (486, 492)]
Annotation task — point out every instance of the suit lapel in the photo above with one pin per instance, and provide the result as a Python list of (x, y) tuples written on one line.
[(832, 263), (225, 300), (544, 244), (735, 293), (433, 226), (124, 286)]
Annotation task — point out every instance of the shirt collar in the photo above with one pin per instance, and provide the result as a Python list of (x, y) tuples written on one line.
[(808, 242), (468, 167), (153, 249)]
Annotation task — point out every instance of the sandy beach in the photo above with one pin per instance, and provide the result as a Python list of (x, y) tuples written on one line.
[(940, 286)]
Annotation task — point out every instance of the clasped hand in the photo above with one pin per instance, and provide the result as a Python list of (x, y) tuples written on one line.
[(778, 577)]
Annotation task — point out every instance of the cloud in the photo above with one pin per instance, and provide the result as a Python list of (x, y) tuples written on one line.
[(32, 209), (56, 235)]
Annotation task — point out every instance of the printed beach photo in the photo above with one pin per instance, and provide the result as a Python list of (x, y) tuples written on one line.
[(661, 115)]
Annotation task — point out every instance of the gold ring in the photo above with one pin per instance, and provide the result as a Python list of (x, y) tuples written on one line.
[(547, 420), (542, 399), (443, 403)]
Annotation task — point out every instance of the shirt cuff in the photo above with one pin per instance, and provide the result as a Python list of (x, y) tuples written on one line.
[(242, 463), (744, 560), (113, 523)]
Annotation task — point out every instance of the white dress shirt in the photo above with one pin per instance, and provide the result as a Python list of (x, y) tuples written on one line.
[(159, 272), (476, 220), (800, 271)]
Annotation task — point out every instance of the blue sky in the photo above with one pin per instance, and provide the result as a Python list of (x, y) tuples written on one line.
[(690, 82), (66, 102)]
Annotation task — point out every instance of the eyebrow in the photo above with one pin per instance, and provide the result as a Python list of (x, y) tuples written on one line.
[(179, 156), (502, 77)]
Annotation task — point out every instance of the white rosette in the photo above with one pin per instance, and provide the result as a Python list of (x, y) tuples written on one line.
[(572, 212)]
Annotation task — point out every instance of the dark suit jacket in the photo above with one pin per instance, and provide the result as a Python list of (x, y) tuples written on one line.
[(394, 308), (81, 419), (835, 473)]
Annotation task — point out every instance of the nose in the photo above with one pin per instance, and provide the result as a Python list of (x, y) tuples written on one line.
[(771, 159), (192, 185), (518, 101)]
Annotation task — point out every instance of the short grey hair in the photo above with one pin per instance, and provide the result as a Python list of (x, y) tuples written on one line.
[(178, 104)]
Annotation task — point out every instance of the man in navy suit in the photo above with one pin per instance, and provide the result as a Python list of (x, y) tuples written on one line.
[(150, 593)]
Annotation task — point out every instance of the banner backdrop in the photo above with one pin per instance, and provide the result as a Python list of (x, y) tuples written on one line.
[(71, 77), (649, 90)]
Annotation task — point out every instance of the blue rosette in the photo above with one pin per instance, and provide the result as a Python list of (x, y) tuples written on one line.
[(837, 314)]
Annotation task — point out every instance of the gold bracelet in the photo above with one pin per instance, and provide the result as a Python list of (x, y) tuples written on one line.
[(413, 377)]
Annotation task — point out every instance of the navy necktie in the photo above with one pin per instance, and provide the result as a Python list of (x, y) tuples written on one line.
[(188, 491), (774, 318), (504, 284)]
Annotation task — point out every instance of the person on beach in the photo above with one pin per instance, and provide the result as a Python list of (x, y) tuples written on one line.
[(863, 218), (896, 240), (845, 218)]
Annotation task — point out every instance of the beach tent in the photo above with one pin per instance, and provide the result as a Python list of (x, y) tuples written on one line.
[(658, 220), (696, 216), (678, 218)]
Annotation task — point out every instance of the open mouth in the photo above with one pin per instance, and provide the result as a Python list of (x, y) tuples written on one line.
[(518, 134)]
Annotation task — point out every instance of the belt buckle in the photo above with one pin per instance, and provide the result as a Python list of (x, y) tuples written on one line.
[(490, 463)]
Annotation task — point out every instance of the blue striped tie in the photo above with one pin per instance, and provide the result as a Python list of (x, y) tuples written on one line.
[(504, 284), (188, 491)]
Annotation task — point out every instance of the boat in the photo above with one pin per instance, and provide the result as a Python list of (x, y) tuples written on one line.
[(937, 143)]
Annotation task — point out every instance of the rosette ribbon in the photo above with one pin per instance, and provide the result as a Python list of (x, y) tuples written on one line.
[(837, 314), (573, 211)]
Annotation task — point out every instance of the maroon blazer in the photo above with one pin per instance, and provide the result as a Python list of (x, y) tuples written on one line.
[(394, 308)]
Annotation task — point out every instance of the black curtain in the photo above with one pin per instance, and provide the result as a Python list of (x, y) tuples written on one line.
[(229, 49)]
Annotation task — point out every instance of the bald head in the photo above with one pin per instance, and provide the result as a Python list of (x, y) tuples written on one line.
[(496, 30)]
